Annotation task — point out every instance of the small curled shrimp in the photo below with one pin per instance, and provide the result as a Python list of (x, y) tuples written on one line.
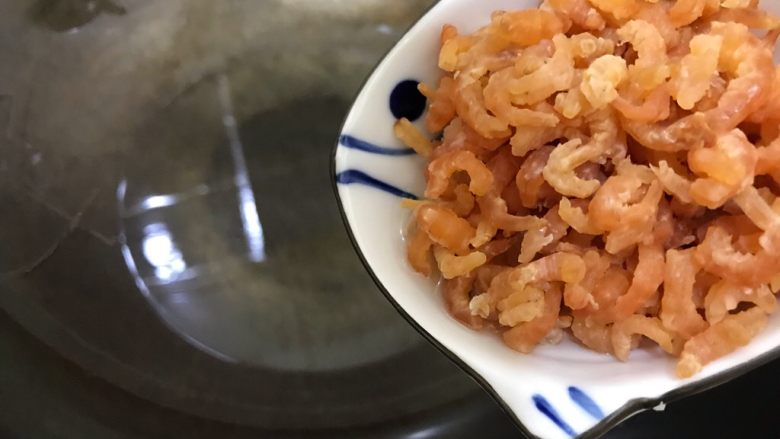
[(522, 306), (718, 255), (596, 337), (452, 266), (554, 76), (651, 68), (673, 183), (559, 267), (458, 136), (441, 170), (560, 173), (724, 297), (498, 101), (587, 47), (720, 339), (463, 201), (619, 9), (678, 312), (728, 168), (504, 167), (445, 228), (456, 294), (485, 233), (622, 334), (657, 14), (528, 27), (537, 240), (639, 222), (580, 12), (648, 276), (758, 210), (613, 285), (496, 212), (453, 46), (691, 80), (749, 61), (470, 106), (530, 180), (412, 137), (601, 80), (526, 336), (441, 109), (656, 106), (529, 139), (685, 12), (583, 294), (572, 213), (627, 224), (418, 252)]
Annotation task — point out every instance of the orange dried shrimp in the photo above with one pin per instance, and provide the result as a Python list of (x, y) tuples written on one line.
[(610, 164)]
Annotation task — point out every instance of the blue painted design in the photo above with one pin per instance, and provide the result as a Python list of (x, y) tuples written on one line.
[(548, 410), (586, 402), (362, 145), (407, 101), (352, 176)]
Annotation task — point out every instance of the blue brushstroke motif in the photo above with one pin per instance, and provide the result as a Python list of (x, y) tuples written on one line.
[(586, 402), (548, 410), (362, 145), (407, 101), (352, 176)]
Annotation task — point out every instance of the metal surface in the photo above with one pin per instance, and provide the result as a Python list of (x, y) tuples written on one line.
[(170, 236)]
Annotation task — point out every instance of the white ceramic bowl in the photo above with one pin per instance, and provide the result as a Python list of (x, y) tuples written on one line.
[(557, 391)]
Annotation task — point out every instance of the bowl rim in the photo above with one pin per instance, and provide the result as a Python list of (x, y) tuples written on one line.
[(627, 410)]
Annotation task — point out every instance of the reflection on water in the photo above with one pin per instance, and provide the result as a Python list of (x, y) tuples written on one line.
[(250, 220), (231, 233), (160, 251)]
